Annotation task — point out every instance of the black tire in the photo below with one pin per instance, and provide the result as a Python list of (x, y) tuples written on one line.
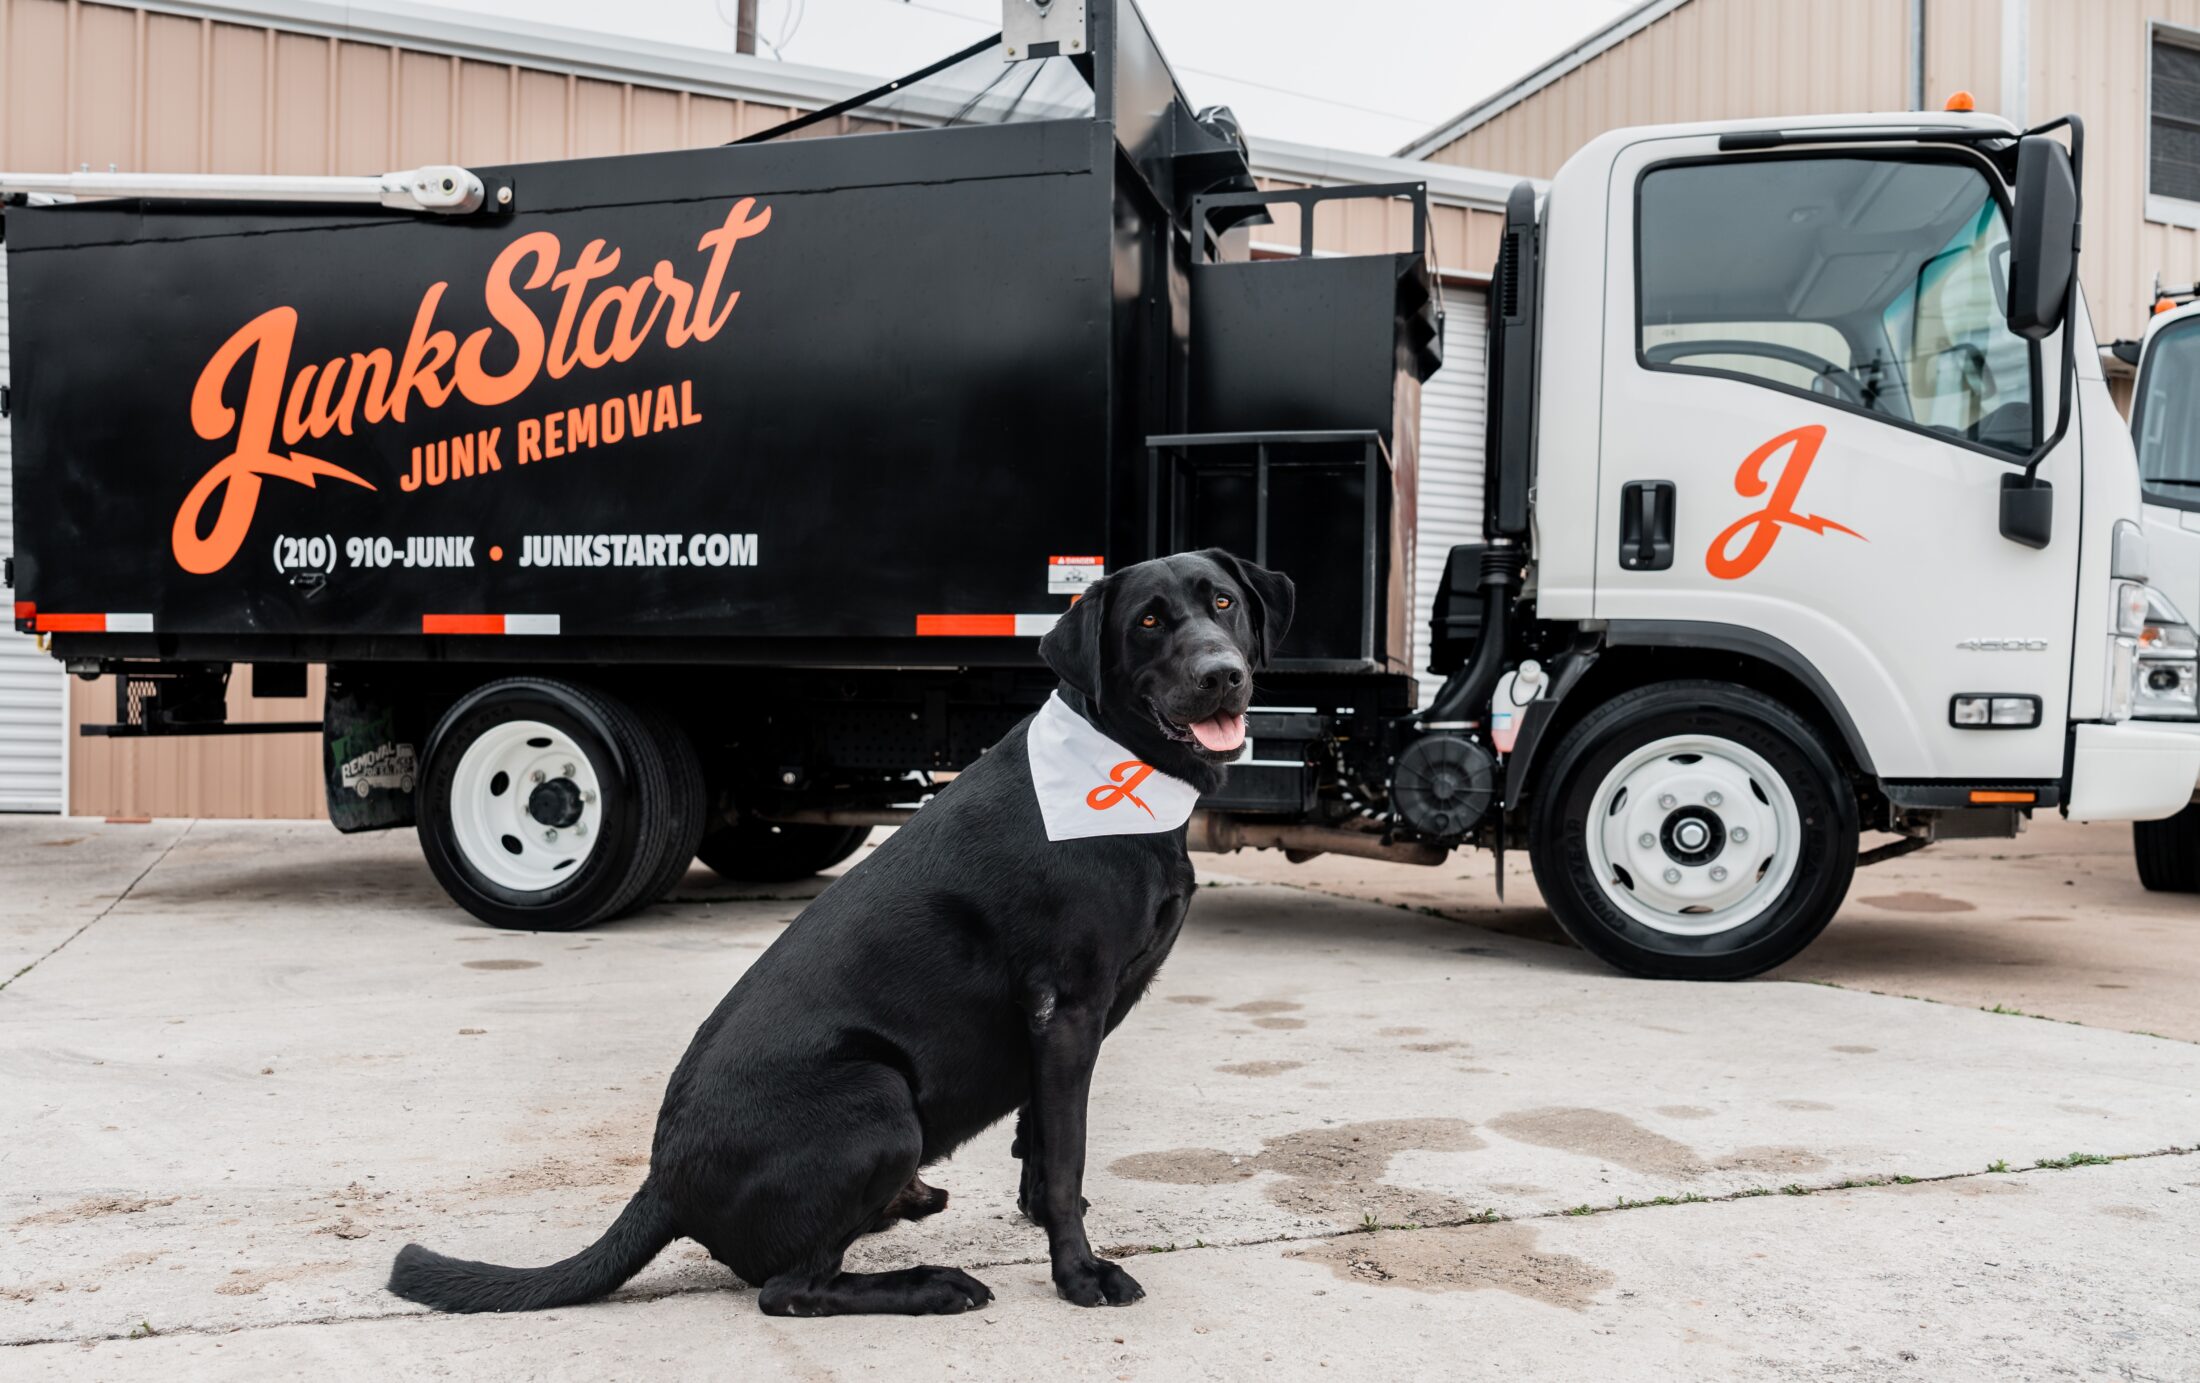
[(635, 800), (684, 821), (758, 852), (2168, 852), (1560, 815)]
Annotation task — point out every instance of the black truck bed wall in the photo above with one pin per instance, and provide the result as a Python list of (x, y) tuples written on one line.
[(855, 388)]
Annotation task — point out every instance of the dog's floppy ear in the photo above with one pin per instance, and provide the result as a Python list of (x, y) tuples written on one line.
[(1272, 594), (1073, 646)]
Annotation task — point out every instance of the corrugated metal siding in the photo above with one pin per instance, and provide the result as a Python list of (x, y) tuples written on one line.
[(1709, 60), (33, 730), (95, 84), (1450, 502)]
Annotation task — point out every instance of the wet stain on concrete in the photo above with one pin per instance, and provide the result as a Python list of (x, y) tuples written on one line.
[(1464, 1258), (1334, 1172), (1774, 1161), (1191, 998), (1683, 1111), (1601, 1134), (1918, 901), (501, 964), (1259, 1068), (1281, 1024), (1265, 1006), (1808, 1106), (1430, 1046), (1854, 1050), (96, 1208)]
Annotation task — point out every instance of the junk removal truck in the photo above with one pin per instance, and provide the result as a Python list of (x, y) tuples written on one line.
[(654, 506)]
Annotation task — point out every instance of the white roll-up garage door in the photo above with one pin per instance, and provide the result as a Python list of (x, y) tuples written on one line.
[(33, 721), (1450, 504)]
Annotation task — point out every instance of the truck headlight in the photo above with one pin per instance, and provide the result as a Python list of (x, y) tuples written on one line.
[(2166, 672)]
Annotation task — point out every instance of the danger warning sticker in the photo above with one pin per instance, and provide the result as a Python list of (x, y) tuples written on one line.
[(1070, 575)]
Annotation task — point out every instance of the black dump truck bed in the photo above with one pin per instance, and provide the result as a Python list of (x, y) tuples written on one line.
[(811, 399)]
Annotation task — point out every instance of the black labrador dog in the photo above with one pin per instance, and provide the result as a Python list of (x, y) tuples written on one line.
[(968, 969)]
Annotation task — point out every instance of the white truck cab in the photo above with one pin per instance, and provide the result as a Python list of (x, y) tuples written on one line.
[(1832, 525)]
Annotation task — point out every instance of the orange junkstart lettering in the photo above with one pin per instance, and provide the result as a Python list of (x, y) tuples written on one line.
[(1122, 786), (434, 366), (1763, 526)]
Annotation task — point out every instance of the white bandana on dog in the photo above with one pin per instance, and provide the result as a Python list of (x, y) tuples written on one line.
[(1089, 785)]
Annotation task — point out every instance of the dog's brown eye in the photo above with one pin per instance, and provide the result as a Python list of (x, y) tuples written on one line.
[(1223, 602), (1148, 622)]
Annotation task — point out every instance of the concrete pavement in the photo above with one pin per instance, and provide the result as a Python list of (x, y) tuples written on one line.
[(246, 1063)]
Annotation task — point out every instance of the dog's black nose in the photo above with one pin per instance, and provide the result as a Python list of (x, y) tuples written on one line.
[(1218, 671)]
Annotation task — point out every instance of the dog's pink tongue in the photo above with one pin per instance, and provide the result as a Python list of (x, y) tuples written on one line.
[(1220, 733)]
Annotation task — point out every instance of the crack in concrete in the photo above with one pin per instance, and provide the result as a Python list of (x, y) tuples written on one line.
[(1287, 1237), (112, 904)]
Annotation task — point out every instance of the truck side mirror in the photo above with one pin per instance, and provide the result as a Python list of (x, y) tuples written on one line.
[(2043, 238)]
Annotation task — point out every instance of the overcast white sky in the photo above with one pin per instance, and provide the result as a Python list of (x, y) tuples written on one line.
[(1368, 75)]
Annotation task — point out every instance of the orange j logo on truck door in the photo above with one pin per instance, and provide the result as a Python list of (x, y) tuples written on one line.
[(1763, 526), (1122, 786)]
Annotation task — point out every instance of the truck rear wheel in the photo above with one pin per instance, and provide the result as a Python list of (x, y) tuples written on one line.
[(2168, 852), (760, 852), (1693, 830), (543, 805)]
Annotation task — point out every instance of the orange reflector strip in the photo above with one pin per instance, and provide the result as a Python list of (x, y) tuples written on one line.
[(462, 624), (968, 626), (71, 624), (25, 609), (1982, 798)]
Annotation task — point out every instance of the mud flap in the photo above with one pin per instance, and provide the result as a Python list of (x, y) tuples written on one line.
[(372, 756)]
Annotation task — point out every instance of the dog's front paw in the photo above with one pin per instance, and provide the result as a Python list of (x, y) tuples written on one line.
[(1096, 1282)]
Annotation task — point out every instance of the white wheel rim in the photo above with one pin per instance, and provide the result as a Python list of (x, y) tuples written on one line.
[(525, 806), (1693, 835)]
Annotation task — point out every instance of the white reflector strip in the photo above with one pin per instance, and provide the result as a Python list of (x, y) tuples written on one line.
[(1035, 626), (530, 624), (129, 624)]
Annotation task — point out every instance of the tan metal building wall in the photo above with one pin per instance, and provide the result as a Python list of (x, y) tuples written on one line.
[(147, 91), (97, 84)]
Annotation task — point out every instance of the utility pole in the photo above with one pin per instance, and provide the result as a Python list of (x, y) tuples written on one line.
[(744, 30)]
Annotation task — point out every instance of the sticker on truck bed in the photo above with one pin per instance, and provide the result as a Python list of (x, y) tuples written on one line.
[(284, 407), (1070, 575)]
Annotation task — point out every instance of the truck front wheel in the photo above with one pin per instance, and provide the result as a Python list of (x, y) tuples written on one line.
[(1693, 830), (547, 806), (2169, 852)]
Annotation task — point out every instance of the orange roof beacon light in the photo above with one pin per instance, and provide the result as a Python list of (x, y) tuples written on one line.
[(1962, 101), (2162, 305)]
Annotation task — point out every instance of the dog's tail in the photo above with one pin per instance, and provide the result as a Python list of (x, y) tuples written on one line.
[(453, 1284)]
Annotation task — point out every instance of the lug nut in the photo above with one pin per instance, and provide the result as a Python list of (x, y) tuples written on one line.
[(550, 837), (1718, 873), (580, 828), (1646, 840), (587, 796), (1672, 876), (1739, 835), (535, 777), (1668, 801), (1710, 799), (566, 771)]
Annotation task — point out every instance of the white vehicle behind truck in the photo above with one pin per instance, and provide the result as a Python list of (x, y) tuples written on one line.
[(2165, 425)]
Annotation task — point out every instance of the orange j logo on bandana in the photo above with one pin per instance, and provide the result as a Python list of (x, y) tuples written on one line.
[(1763, 526), (1122, 786)]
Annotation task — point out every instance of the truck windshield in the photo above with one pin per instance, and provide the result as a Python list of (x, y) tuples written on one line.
[(2166, 416), (1869, 283)]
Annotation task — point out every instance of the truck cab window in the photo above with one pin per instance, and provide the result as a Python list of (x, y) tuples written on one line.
[(1872, 284), (2166, 418)]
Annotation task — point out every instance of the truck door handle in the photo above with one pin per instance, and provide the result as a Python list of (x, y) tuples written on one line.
[(1646, 525)]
